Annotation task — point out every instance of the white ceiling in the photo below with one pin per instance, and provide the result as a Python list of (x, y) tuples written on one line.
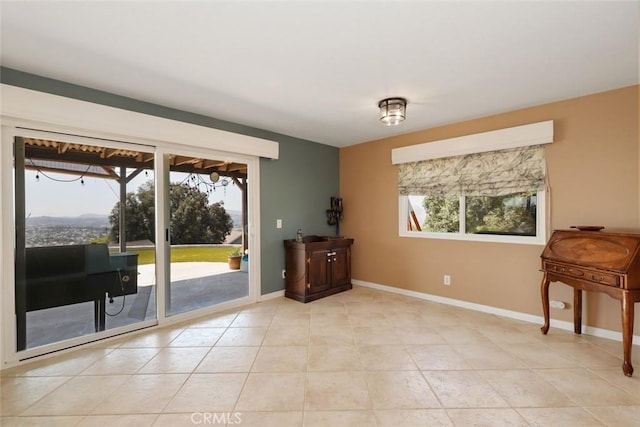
[(316, 70)]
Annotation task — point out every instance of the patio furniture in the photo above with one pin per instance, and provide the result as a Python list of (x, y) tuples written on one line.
[(55, 276)]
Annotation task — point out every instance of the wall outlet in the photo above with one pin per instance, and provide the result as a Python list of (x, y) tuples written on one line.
[(284, 274), (447, 280), (557, 304)]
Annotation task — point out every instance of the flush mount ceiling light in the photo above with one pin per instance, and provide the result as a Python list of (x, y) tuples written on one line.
[(392, 111)]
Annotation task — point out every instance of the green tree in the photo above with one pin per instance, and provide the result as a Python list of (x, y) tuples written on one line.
[(193, 220), (442, 214), (139, 214), (513, 214), (483, 214)]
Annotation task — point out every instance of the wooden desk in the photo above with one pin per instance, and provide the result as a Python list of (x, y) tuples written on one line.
[(595, 261)]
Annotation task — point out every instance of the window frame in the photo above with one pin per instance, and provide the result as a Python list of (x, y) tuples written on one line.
[(539, 239)]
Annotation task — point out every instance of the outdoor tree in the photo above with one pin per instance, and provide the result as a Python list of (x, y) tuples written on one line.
[(442, 214), (513, 213), (193, 220)]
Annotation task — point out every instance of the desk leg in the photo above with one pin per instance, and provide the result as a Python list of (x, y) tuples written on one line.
[(544, 290), (627, 332), (577, 311)]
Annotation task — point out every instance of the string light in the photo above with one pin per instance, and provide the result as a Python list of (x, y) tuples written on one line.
[(40, 172), (196, 181)]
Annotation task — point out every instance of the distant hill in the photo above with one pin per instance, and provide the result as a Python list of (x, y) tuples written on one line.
[(236, 216), (82, 221), (96, 221)]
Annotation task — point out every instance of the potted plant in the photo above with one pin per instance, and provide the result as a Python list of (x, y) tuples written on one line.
[(234, 258)]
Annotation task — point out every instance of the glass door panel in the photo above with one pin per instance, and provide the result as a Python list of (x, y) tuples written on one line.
[(83, 264), (207, 217)]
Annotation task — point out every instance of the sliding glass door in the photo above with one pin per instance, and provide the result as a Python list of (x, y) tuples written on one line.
[(85, 237), (111, 237), (206, 241)]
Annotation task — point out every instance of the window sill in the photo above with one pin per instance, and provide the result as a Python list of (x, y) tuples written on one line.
[(493, 238)]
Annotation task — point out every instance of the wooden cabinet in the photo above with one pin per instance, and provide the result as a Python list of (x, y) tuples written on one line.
[(595, 261), (317, 267)]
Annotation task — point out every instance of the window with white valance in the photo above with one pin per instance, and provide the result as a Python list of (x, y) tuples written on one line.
[(486, 187)]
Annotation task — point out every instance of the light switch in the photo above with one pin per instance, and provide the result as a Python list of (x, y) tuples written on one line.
[(278, 223)]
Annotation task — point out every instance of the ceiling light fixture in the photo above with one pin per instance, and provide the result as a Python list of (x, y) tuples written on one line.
[(393, 111)]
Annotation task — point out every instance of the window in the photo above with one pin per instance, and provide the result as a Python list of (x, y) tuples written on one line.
[(508, 218), (486, 187)]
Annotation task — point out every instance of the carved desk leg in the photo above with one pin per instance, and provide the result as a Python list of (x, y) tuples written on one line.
[(577, 310), (544, 290), (627, 332)]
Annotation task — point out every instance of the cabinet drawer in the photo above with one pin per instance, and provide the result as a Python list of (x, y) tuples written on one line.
[(583, 273)]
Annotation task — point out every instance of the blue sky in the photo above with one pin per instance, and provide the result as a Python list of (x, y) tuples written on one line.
[(97, 196)]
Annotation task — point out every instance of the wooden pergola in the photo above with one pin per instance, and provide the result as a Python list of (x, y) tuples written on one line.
[(113, 163)]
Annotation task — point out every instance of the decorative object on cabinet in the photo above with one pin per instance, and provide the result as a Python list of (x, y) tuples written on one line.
[(318, 267), (334, 215), (595, 261)]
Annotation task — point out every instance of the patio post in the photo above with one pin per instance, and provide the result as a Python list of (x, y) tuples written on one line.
[(123, 199)]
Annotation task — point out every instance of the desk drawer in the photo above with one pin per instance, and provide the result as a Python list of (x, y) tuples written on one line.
[(583, 273)]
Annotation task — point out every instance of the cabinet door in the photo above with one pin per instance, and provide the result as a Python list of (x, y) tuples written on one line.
[(319, 275), (340, 267)]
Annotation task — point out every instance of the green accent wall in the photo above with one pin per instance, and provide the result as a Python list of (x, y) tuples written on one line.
[(295, 188)]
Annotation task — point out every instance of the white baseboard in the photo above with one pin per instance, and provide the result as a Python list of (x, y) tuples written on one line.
[(272, 295), (560, 324)]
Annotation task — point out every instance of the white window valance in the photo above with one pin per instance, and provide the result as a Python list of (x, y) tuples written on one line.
[(494, 173), (500, 139), (38, 110)]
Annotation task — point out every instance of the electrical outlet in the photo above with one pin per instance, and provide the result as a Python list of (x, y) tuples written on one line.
[(557, 304), (447, 280), (284, 274)]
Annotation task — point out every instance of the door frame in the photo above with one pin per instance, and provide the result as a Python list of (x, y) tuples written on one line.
[(163, 276), (25, 109)]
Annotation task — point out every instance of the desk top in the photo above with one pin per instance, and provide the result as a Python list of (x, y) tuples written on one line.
[(617, 253)]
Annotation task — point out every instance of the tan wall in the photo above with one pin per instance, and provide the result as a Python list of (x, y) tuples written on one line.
[(593, 169)]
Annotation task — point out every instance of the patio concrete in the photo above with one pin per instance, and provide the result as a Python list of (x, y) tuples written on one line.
[(182, 271)]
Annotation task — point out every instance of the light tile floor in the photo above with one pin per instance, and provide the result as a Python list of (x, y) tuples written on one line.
[(359, 358)]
